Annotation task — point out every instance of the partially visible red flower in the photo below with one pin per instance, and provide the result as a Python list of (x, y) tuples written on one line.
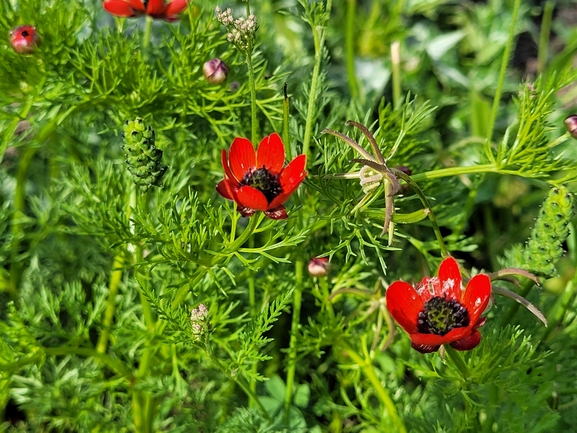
[(437, 311), (155, 8), (258, 180), (24, 39)]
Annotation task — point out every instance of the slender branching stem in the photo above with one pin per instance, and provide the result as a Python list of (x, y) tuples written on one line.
[(367, 366), (503, 71), (296, 316), (319, 39)]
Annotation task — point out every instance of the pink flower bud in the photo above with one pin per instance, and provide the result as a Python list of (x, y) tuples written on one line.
[(24, 39), (571, 125), (319, 267), (215, 71)]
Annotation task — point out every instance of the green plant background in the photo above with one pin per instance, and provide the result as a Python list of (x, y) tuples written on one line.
[(98, 280)]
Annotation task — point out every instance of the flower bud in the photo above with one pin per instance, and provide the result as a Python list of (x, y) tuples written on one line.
[(319, 266), (24, 39), (199, 322), (215, 71), (571, 125)]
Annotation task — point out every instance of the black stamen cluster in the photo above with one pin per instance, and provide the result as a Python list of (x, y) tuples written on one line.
[(264, 181), (441, 316)]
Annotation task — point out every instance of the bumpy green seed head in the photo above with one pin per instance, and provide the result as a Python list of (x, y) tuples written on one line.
[(545, 246), (142, 156)]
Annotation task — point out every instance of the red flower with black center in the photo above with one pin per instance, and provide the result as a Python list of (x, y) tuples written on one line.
[(437, 311), (154, 8), (258, 180), (24, 39)]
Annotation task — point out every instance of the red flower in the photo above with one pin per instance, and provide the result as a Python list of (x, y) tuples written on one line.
[(437, 311), (24, 39), (154, 8), (257, 180)]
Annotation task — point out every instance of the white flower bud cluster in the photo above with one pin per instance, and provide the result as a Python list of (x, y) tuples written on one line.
[(370, 178), (241, 31), (199, 320)]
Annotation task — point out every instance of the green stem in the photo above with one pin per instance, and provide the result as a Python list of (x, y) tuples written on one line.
[(296, 315), (17, 227), (456, 171), (318, 38), (113, 285), (544, 35), (147, 33), (503, 71), (252, 304), (383, 395), (143, 402), (350, 48), (285, 124), (252, 86), (396, 73)]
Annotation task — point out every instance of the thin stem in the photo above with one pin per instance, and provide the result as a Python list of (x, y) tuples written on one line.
[(113, 285), (350, 48), (296, 311), (456, 171), (544, 35), (427, 205), (252, 86), (503, 71), (318, 38), (396, 73), (252, 304), (19, 211), (383, 395), (285, 124), (457, 359), (147, 32)]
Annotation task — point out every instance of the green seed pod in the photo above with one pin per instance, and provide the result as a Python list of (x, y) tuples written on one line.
[(142, 156), (545, 246)]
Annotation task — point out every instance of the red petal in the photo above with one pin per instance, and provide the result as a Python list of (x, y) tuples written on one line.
[(423, 348), (241, 158), (293, 174), (450, 279), (477, 294), (278, 213), (245, 212), (174, 8), (155, 8), (137, 5), (271, 154), (467, 343), (226, 189), (404, 304), (250, 197), (427, 287), (227, 171), (120, 8), (437, 340)]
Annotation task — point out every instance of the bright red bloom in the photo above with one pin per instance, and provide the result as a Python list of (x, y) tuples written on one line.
[(257, 180), (154, 8), (437, 311), (24, 39)]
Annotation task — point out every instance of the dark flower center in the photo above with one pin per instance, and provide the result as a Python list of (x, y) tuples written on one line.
[(441, 315), (264, 181), (25, 33)]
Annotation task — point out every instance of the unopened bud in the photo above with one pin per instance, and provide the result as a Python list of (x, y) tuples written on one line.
[(571, 125), (24, 39), (319, 267), (215, 71)]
